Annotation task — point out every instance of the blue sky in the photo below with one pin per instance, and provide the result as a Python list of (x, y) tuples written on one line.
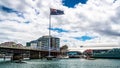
[(72, 3), (59, 30), (84, 21), (10, 10), (84, 38)]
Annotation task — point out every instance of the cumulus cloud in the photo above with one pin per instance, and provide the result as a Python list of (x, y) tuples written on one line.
[(98, 19)]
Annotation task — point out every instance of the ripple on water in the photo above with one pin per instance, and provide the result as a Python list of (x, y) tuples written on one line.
[(64, 63)]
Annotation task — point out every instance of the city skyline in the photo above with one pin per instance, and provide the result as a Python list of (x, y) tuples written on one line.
[(83, 22)]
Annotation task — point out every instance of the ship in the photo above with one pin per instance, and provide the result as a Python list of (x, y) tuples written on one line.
[(112, 53)]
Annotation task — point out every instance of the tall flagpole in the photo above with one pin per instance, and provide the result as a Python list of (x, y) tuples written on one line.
[(49, 34), (54, 12)]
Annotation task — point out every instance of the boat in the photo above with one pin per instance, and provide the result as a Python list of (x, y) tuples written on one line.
[(50, 57), (18, 61), (113, 54), (62, 57)]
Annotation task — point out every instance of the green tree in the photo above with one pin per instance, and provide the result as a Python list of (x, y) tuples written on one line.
[(64, 50)]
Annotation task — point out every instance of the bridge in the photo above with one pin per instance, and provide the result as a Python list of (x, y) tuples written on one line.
[(18, 53), (73, 52), (82, 49)]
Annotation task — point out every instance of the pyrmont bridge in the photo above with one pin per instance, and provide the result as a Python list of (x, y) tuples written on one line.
[(20, 53)]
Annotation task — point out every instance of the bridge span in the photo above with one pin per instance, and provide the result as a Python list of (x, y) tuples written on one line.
[(82, 49), (20, 53)]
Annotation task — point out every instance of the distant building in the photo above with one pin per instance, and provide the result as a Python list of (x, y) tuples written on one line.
[(32, 44), (74, 54), (11, 44), (43, 43)]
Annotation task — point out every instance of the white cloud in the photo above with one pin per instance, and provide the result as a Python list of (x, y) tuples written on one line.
[(98, 19)]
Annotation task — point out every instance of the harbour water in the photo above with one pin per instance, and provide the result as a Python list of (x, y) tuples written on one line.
[(63, 63)]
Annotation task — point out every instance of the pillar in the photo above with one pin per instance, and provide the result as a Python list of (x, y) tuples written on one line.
[(17, 56), (34, 55)]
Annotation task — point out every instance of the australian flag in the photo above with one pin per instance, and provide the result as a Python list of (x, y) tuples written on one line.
[(56, 12)]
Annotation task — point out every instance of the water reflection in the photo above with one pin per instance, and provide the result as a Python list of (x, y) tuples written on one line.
[(64, 63)]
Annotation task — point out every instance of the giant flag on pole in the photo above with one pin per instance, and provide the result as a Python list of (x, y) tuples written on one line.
[(56, 12)]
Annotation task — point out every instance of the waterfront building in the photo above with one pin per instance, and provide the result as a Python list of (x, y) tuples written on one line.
[(74, 54), (11, 44), (8, 44), (32, 44), (112, 53), (42, 43)]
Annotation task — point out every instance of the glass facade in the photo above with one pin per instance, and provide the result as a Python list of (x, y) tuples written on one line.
[(43, 43)]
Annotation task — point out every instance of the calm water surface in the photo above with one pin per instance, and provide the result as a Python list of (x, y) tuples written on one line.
[(64, 63)]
